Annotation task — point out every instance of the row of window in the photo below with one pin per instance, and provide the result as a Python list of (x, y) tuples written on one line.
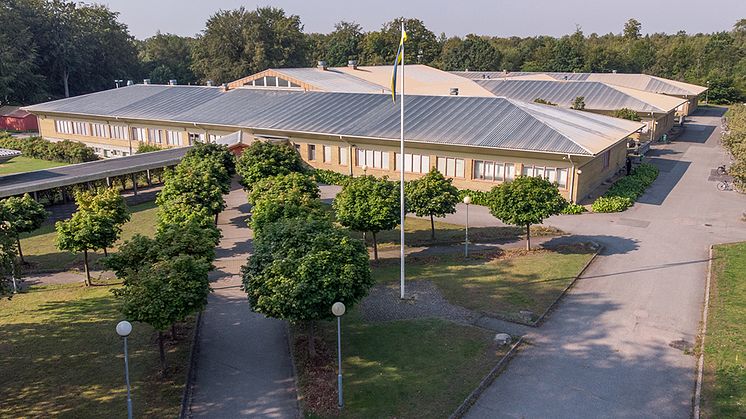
[(120, 132), (271, 81), (326, 153)]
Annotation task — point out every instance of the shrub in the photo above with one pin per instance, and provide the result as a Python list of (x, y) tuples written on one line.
[(626, 113), (574, 209), (330, 177), (147, 148), (477, 197), (39, 148), (611, 204)]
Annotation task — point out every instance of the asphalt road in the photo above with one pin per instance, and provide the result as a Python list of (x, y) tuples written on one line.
[(618, 344)]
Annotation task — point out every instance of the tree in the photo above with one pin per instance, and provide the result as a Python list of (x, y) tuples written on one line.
[(544, 102), (107, 203), (283, 196), (7, 254), (473, 53), (632, 29), (219, 152), (432, 195), (626, 113), (20, 81), (343, 44), (301, 266), (578, 103), (236, 43), (163, 293), (25, 215), (85, 231), (190, 191), (263, 159), (526, 201), (167, 56), (147, 148), (368, 204), (379, 48)]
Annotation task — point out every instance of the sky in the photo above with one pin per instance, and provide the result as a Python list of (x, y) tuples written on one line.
[(454, 17)]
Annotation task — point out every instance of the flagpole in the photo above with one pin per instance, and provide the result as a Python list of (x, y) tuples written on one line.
[(401, 167)]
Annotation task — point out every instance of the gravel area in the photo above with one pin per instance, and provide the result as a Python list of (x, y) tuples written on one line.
[(424, 300)]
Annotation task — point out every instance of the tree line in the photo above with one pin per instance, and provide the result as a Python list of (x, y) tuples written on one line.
[(56, 48)]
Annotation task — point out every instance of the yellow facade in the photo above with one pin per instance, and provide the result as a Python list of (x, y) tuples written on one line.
[(578, 175)]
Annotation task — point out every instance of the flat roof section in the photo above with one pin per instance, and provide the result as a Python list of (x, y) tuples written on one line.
[(41, 180)]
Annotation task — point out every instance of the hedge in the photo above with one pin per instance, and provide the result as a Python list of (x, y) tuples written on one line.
[(39, 148), (626, 190), (330, 177)]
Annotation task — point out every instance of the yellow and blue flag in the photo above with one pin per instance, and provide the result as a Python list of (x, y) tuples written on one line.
[(399, 59)]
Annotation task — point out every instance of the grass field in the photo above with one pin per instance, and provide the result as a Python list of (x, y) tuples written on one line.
[(724, 394), (26, 164), (499, 285), (40, 249), (61, 357), (404, 369)]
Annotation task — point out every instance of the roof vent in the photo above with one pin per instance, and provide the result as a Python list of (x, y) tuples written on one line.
[(352, 64), (613, 71), (454, 91), (130, 82), (210, 83), (172, 82), (146, 81), (224, 87), (322, 65)]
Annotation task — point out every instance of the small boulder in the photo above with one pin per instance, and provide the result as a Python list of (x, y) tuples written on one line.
[(502, 339)]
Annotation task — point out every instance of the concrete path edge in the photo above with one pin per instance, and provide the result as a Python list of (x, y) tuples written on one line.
[(486, 381), (186, 396), (298, 392)]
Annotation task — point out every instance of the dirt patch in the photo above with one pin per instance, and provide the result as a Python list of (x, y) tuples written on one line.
[(318, 376)]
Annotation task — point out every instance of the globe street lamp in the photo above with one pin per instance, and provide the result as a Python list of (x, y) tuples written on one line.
[(467, 201), (338, 309), (124, 328)]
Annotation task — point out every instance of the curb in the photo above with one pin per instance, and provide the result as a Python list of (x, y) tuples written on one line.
[(289, 336), (697, 408), (486, 381), (186, 396)]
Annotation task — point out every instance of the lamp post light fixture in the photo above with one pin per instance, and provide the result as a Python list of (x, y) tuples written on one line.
[(365, 169), (467, 201), (338, 309), (124, 328)]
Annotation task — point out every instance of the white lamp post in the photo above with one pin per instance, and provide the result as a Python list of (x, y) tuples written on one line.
[(467, 201), (124, 328), (338, 309), (365, 169)]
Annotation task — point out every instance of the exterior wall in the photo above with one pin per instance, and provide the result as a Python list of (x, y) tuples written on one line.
[(577, 185), (594, 172), (663, 123), (27, 123)]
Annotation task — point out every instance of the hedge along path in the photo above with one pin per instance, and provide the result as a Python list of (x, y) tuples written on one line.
[(624, 192)]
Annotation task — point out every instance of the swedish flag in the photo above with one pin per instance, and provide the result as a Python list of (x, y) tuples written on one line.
[(399, 59)]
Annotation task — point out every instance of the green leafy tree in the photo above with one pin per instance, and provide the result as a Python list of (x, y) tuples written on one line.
[(343, 44), (632, 29), (473, 53), (163, 293), (578, 103), (147, 148), (237, 43), (219, 152), (544, 102), (283, 196), (107, 203), (431, 196), (85, 231), (379, 48), (20, 79), (301, 266), (626, 113), (263, 159), (167, 56), (8, 269), (526, 201), (368, 204), (190, 192), (25, 215)]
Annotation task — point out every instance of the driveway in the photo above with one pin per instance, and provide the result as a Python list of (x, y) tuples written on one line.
[(619, 343)]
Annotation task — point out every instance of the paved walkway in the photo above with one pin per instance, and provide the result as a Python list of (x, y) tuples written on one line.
[(608, 350), (243, 364)]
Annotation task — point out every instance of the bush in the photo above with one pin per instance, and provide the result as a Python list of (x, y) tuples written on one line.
[(477, 197), (626, 113), (611, 204), (147, 148), (39, 148), (330, 177), (574, 209)]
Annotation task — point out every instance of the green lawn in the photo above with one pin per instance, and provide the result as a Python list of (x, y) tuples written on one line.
[(26, 164), (405, 369), (60, 357), (40, 249), (499, 285), (724, 394)]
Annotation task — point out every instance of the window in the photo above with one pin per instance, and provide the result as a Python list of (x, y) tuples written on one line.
[(527, 170), (297, 148), (509, 171), (173, 137), (414, 163), (213, 138), (259, 82), (327, 154), (489, 170), (155, 135), (139, 134), (195, 137), (552, 174), (119, 132), (100, 130), (282, 83), (373, 159), (606, 158), (451, 167), (311, 152), (343, 156), (63, 127), (271, 81), (81, 128)]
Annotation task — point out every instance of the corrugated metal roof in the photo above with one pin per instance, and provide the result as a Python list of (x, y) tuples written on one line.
[(332, 80), (474, 121), (597, 96), (6, 154), (645, 82), (419, 79)]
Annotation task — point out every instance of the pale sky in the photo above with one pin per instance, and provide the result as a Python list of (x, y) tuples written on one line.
[(454, 17)]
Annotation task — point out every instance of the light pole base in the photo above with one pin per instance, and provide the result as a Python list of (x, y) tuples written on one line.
[(341, 402)]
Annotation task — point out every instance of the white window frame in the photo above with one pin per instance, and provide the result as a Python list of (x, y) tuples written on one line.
[(119, 132), (489, 170), (451, 166), (173, 137), (100, 130), (155, 135), (140, 134), (373, 159), (343, 156), (63, 126), (81, 128), (311, 152), (413, 163), (326, 153)]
